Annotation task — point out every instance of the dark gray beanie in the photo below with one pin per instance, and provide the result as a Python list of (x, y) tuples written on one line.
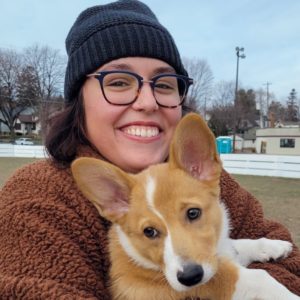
[(102, 33)]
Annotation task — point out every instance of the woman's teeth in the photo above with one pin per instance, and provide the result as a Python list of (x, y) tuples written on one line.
[(142, 131)]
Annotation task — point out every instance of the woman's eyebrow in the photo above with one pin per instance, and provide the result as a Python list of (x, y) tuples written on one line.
[(163, 70), (121, 67)]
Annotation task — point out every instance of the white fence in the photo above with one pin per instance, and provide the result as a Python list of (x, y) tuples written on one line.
[(262, 165), (246, 164), (10, 150)]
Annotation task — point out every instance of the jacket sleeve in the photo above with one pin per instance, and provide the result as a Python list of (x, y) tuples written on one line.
[(247, 221), (52, 240)]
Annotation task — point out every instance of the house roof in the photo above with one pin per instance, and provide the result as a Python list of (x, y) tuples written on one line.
[(28, 119), (278, 132)]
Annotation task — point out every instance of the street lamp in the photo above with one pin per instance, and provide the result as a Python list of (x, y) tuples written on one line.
[(239, 54)]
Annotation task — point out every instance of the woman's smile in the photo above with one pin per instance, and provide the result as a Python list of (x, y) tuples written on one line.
[(142, 131)]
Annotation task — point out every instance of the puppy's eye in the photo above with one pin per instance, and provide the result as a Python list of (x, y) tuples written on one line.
[(151, 232), (193, 213)]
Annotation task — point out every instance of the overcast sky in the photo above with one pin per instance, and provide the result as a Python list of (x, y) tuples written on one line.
[(269, 30)]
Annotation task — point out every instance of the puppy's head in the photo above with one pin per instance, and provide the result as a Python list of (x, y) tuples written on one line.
[(168, 217)]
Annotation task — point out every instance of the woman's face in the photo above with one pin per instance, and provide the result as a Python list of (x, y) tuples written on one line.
[(116, 130)]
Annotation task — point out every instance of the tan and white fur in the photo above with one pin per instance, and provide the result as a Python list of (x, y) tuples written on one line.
[(170, 233)]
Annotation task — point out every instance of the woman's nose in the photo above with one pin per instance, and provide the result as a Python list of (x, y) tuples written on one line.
[(145, 99)]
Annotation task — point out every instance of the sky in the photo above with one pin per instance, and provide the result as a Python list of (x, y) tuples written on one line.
[(269, 31)]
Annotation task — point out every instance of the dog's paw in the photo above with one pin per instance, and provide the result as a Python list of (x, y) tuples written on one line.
[(260, 250), (272, 250)]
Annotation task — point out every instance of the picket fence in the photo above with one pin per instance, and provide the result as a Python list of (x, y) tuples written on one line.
[(245, 164), (10, 150), (262, 165)]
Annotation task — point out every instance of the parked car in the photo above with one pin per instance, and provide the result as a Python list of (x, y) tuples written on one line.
[(24, 141)]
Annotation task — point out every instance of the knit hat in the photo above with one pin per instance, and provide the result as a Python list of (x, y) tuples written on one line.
[(102, 33)]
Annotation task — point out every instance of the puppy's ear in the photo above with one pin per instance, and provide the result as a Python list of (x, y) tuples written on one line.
[(193, 149), (105, 185)]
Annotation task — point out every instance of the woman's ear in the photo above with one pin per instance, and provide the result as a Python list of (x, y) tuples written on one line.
[(105, 185), (193, 149)]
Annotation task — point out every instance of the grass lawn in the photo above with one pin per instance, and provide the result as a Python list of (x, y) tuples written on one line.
[(8, 165), (280, 197)]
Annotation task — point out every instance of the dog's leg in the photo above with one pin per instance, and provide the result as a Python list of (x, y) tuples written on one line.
[(261, 250), (259, 285)]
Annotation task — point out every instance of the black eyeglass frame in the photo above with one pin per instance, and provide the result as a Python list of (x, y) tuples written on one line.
[(100, 77)]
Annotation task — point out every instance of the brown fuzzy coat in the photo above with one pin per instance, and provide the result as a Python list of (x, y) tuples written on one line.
[(53, 243)]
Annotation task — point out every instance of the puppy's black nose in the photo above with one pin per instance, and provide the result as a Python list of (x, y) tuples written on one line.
[(191, 275)]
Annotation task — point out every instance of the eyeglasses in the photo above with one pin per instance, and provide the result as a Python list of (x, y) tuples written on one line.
[(123, 87)]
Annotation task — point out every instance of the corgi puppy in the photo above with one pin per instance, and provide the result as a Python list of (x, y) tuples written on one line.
[(170, 233)]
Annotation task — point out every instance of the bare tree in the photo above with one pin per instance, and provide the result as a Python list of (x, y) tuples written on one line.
[(200, 92), (221, 121), (228, 116), (222, 108), (223, 93), (49, 67), (12, 104)]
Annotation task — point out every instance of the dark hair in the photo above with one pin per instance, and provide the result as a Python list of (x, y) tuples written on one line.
[(186, 109), (66, 131)]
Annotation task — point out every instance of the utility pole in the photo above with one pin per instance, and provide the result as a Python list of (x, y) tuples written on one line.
[(267, 84), (267, 110), (260, 94)]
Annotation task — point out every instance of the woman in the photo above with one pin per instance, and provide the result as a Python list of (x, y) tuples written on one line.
[(122, 106)]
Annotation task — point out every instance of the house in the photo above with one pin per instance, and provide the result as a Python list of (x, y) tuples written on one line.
[(281, 140), (27, 125)]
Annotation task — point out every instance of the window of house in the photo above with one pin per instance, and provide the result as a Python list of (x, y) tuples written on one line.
[(18, 126), (287, 143)]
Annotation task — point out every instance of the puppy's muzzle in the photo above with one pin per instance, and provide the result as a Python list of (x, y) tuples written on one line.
[(191, 275)]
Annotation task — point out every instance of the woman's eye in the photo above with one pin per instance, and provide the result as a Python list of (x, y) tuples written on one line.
[(193, 213), (163, 86), (118, 83), (151, 232)]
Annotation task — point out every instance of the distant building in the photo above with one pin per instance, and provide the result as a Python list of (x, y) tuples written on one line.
[(281, 140), (27, 125)]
